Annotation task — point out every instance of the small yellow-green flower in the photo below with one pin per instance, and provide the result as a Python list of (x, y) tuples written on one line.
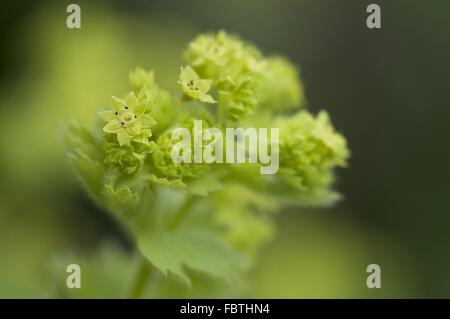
[(194, 87), (140, 78), (128, 121)]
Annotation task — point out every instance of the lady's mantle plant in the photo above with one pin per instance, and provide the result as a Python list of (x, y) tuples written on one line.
[(210, 218)]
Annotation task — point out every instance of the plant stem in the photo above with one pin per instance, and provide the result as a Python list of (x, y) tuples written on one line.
[(141, 279)]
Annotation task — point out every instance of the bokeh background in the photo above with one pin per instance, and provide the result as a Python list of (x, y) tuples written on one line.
[(387, 91)]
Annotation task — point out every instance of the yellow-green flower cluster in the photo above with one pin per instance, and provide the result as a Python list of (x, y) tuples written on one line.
[(162, 157), (311, 148), (128, 125), (216, 56), (127, 163), (231, 66), (279, 88)]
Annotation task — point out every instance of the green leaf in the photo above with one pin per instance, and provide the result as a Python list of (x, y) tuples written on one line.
[(205, 184), (91, 173), (172, 251), (316, 197), (122, 195), (106, 274), (174, 183)]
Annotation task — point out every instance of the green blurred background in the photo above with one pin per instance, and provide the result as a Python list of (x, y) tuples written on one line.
[(386, 90)]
